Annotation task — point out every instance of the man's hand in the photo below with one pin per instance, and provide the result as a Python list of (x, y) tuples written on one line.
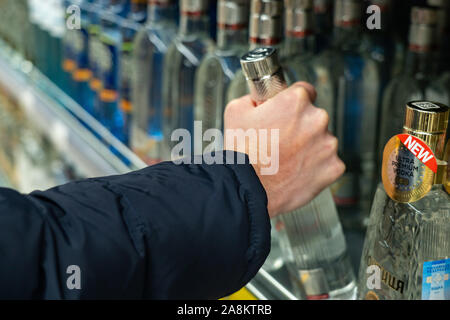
[(308, 160)]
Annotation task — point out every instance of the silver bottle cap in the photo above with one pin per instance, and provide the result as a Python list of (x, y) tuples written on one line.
[(299, 18), (264, 74), (194, 7), (266, 22), (422, 34), (232, 14), (348, 13)]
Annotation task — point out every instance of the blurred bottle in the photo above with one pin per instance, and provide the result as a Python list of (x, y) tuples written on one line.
[(218, 68), (439, 90), (358, 85), (299, 42), (444, 32), (266, 29), (82, 75), (149, 48), (180, 64), (68, 53), (407, 239), (129, 29), (323, 19), (111, 116), (94, 50), (417, 74)]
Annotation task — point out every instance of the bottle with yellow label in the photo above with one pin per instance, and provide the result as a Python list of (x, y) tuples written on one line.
[(406, 252)]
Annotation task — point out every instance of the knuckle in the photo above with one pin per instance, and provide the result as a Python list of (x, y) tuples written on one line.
[(322, 119), (333, 143)]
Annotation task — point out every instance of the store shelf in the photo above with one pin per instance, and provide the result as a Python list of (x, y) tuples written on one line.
[(91, 147)]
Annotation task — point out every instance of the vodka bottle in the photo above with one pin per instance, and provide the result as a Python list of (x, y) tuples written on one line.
[(149, 48), (316, 243), (82, 75), (180, 64), (129, 29), (219, 67), (444, 32), (111, 116), (299, 47), (323, 18), (299, 42), (439, 90), (407, 245), (379, 42), (357, 102), (266, 29), (94, 51), (417, 75), (68, 64)]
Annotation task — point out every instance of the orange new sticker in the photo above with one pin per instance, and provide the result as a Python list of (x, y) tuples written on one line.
[(419, 149)]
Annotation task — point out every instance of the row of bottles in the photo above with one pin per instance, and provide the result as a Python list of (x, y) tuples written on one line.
[(145, 69)]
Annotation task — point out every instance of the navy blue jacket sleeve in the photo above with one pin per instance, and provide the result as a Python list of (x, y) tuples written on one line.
[(165, 232)]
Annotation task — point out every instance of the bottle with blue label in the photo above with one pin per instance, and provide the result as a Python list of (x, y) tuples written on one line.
[(82, 75), (180, 65), (406, 252), (129, 29), (149, 48), (108, 59), (357, 82)]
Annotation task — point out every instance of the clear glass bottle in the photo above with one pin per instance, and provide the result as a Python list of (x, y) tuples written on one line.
[(299, 40), (300, 46), (81, 75), (266, 29), (417, 74), (357, 80), (323, 18), (129, 29), (181, 62), (150, 47), (219, 67), (311, 237), (108, 61), (408, 237), (95, 50)]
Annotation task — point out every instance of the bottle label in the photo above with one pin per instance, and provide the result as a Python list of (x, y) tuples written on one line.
[(409, 166), (436, 280), (314, 283)]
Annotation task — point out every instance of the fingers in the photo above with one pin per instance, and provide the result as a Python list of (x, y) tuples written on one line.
[(236, 108), (309, 89)]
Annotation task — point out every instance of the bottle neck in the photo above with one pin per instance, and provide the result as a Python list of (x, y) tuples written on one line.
[(419, 63), (229, 38), (194, 24), (300, 45), (157, 13)]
